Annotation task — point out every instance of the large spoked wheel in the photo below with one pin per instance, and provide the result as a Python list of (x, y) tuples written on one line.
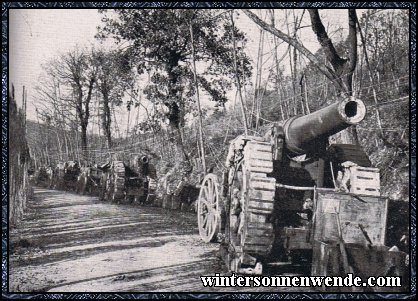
[(208, 209)]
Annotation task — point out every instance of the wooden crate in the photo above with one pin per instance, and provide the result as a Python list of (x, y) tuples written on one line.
[(365, 180), (365, 262), (354, 212), (298, 239)]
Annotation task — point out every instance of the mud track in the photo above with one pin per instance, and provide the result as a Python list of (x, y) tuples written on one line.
[(73, 243)]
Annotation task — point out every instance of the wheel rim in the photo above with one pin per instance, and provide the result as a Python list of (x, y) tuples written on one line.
[(208, 209), (109, 188), (237, 181)]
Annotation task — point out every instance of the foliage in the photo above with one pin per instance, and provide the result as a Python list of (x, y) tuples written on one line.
[(387, 36), (386, 39), (159, 43), (114, 78)]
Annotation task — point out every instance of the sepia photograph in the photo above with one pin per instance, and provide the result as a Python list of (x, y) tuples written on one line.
[(208, 150)]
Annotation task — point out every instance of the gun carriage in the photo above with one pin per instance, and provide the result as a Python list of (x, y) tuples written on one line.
[(131, 181), (269, 206)]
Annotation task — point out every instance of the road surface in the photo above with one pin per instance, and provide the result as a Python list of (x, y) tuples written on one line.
[(73, 243)]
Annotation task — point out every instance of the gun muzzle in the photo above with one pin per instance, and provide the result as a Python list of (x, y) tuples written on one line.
[(144, 159), (305, 134)]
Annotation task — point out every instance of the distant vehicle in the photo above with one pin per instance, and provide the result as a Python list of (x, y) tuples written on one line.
[(41, 176), (64, 175), (131, 181), (90, 179)]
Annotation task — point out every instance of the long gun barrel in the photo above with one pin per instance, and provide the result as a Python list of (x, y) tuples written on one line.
[(307, 134)]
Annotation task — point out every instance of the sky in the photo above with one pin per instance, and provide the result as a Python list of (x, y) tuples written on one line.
[(37, 35)]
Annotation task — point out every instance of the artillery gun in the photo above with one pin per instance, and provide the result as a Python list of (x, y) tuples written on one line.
[(56, 175), (67, 175), (90, 179), (132, 181), (269, 206), (41, 176)]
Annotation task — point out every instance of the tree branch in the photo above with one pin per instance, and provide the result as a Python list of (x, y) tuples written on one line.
[(352, 39), (294, 42), (323, 39)]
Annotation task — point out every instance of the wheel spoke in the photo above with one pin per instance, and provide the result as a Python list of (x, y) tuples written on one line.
[(209, 224), (205, 220), (214, 216), (210, 184), (206, 190), (209, 206), (202, 202), (203, 212)]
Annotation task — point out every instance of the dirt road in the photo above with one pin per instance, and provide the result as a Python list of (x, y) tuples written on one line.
[(73, 243)]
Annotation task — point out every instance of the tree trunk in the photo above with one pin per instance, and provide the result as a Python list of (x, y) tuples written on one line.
[(343, 67), (304, 94), (244, 115), (341, 74), (277, 67), (84, 141), (67, 152), (176, 114), (59, 144), (107, 119), (202, 145)]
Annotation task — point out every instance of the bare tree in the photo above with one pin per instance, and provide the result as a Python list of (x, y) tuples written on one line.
[(58, 115), (77, 73), (340, 65), (114, 76), (341, 72), (343, 67)]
